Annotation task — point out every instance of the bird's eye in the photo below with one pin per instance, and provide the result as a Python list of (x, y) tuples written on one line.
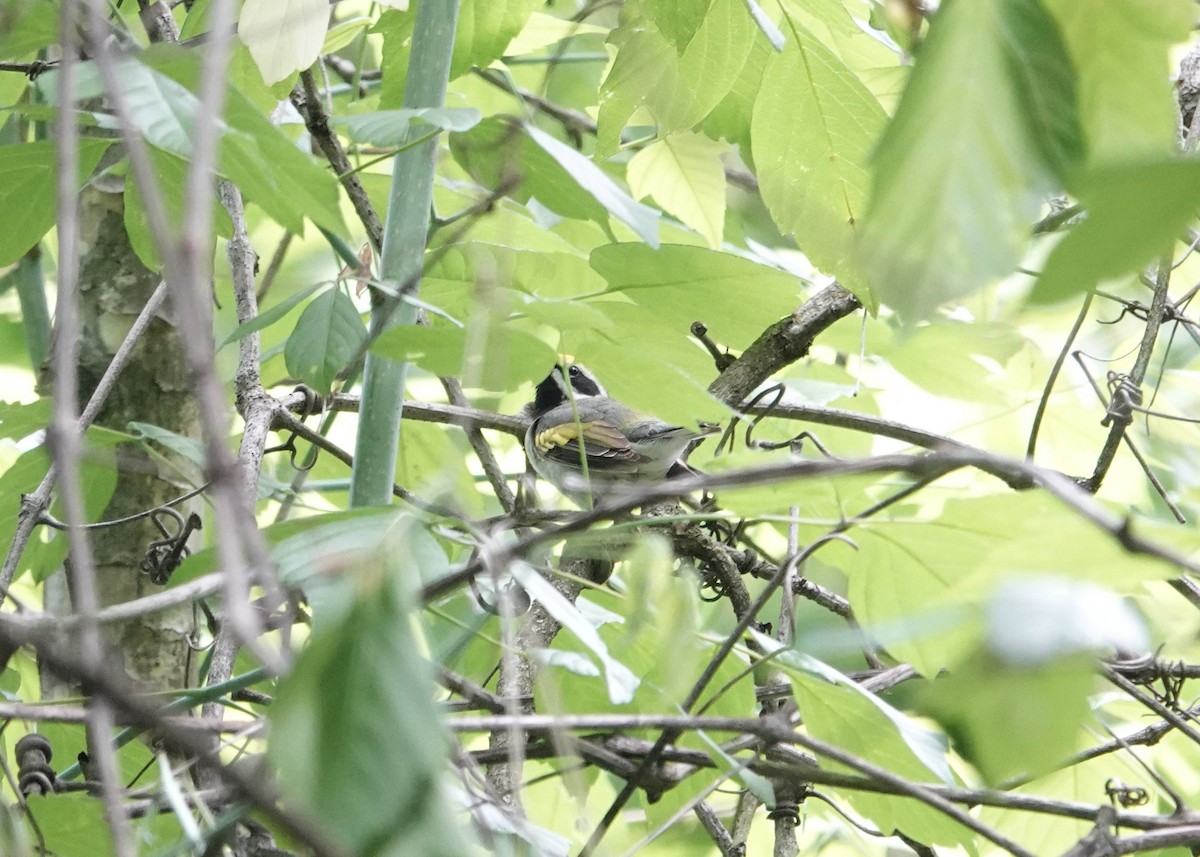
[(574, 371)]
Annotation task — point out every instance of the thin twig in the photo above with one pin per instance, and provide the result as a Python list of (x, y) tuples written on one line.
[(66, 442)]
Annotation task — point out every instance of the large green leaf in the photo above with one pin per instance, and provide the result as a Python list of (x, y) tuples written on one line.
[(678, 89), (920, 583), (27, 191), (986, 126), (838, 712), (327, 336), (26, 26), (1011, 722), (287, 183), (170, 171), (813, 128), (684, 174), (354, 733), (1120, 51), (1135, 211), (484, 29), (640, 218), (284, 36)]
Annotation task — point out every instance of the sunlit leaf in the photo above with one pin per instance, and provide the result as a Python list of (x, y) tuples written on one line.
[(678, 89), (640, 218), (1135, 210), (27, 191), (986, 127), (1120, 53), (284, 36), (814, 126), (1008, 721), (358, 702), (685, 176)]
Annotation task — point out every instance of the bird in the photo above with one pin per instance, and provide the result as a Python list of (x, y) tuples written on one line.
[(619, 444)]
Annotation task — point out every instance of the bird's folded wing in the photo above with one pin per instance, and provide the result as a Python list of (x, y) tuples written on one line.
[(604, 445)]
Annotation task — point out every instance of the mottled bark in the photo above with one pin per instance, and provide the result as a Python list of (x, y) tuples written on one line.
[(152, 389)]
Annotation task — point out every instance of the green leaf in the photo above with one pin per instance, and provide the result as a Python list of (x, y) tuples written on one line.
[(621, 682), (736, 298), (27, 191), (343, 33), (74, 824), (27, 26), (685, 176), (18, 420), (328, 334), (186, 447), (483, 31), (170, 171), (543, 30), (836, 711), (914, 581), (284, 36), (1135, 211), (355, 720), (1120, 50), (986, 126), (678, 89), (268, 317), (640, 218), (437, 350), (676, 20), (812, 155), (391, 127), (1012, 722)]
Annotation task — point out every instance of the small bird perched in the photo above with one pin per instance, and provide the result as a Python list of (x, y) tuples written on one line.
[(619, 443)]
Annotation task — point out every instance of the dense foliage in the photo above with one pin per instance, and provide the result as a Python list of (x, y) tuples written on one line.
[(930, 591)]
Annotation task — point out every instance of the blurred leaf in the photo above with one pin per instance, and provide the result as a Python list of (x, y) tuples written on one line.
[(327, 336), (1135, 211), (170, 172), (26, 26), (496, 152), (73, 825), (640, 218), (28, 176), (343, 33), (483, 31), (284, 36), (1012, 722), (19, 420), (1120, 50), (943, 358), (391, 127), (543, 30), (685, 176), (986, 126), (1039, 619), (814, 126), (316, 553), (843, 715), (676, 20), (621, 682), (355, 720)]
